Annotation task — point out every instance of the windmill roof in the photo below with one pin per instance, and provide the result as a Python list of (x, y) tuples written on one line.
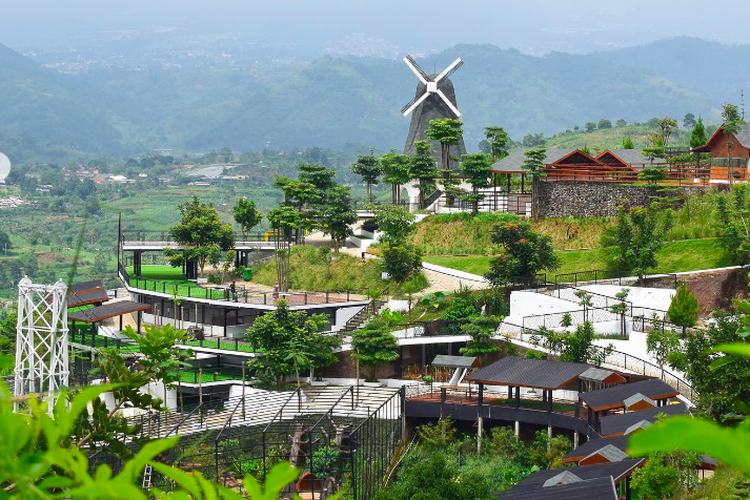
[(513, 163)]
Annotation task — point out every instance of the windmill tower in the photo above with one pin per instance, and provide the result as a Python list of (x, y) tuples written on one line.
[(41, 339), (434, 99)]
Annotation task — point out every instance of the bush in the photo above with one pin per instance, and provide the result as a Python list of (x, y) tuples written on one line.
[(402, 262), (459, 313), (214, 279)]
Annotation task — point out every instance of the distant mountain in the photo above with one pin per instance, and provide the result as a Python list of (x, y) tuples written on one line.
[(329, 102), (41, 110), (721, 71)]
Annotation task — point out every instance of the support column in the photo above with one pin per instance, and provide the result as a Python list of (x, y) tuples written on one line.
[(549, 437), (480, 425), (424, 359), (518, 397), (400, 361), (139, 316), (226, 313), (575, 440), (518, 430), (120, 322)]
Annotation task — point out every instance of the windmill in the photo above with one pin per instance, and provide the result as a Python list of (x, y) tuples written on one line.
[(434, 99)]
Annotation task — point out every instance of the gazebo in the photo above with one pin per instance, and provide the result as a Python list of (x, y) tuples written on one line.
[(515, 373), (460, 364), (96, 315)]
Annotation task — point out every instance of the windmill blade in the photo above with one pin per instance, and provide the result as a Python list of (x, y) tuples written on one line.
[(409, 60), (450, 69), (414, 103), (449, 103)]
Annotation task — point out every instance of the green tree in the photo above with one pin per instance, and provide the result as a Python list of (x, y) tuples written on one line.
[(684, 309), (199, 229), (396, 223), (477, 169), (402, 262), (337, 216), (621, 308), (284, 221), (637, 237), (423, 169), (698, 135), (688, 122), (621, 123), (590, 126), (5, 243), (396, 172), (534, 163), (369, 168), (480, 329), (498, 141), (734, 223), (246, 215), (652, 175), (661, 343), (604, 124), (290, 341), (730, 127), (448, 132), (373, 346), (666, 125), (525, 253), (459, 313), (627, 142)]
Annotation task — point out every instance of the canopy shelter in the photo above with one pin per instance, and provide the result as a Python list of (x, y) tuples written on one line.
[(594, 445), (460, 365), (513, 163), (541, 483), (617, 425), (515, 372), (613, 398), (96, 315), (87, 293)]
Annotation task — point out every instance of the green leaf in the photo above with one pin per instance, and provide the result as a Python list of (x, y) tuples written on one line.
[(738, 349), (731, 446), (720, 362), (149, 451), (182, 478)]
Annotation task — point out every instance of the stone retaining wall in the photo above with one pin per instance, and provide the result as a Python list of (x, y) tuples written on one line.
[(594, 199)]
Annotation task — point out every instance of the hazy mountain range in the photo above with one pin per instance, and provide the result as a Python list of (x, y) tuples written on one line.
[(46, 115)]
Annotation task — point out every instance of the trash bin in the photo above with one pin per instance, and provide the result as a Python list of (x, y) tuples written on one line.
[(248, 274)]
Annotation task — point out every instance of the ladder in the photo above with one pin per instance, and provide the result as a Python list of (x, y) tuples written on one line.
[(147, 477)]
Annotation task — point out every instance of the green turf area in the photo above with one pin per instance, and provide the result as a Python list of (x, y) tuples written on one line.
[(170, 280), (225, 344), (193, 376), (675, 256)]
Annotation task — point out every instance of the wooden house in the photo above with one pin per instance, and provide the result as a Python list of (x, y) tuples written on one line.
[(718, 147)]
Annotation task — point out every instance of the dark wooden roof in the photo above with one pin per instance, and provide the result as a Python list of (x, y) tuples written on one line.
[(100, 313), (86, 286), (614, 397), (85, 298), (513, 163), (526, 372), (592, 445), (602, 488), (617, 470), (617, 424), (742, 136), (602, 376), (444, 361)]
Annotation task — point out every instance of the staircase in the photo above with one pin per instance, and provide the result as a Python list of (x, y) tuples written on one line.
[(362, 317)]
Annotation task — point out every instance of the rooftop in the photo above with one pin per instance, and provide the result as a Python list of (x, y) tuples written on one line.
[(618, 424), (526, 372), (614, 397)]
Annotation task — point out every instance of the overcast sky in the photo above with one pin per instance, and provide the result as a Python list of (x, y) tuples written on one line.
[(533, 26)]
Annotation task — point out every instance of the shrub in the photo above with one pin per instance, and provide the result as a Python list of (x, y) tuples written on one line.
[(459, 313)]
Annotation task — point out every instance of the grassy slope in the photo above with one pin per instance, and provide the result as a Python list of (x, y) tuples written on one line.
[(675, 256)]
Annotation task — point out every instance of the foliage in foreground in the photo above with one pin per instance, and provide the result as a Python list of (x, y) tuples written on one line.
[(37, 459)]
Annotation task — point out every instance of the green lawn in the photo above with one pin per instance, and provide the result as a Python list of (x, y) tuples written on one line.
[(170, 280), (675, 256)]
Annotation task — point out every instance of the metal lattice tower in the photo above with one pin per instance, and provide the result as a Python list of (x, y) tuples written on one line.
[(41, 339)]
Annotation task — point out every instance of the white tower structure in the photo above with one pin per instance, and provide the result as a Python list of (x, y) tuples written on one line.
[(41, 339)]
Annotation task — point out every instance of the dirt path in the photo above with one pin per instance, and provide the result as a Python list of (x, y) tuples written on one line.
[(443, 283)]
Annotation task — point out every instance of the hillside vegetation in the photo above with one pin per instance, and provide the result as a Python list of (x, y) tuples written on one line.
[(326, 103)]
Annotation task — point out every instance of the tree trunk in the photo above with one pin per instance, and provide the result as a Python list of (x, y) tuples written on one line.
[(369, 193)]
